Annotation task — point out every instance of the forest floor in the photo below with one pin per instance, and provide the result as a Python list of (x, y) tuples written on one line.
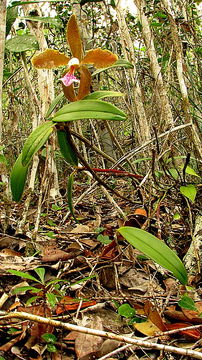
[(89, 276)]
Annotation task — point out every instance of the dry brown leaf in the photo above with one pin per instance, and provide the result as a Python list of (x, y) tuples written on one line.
[(52, 253), (147, 328), (80, 229), (152, 314), (87, 345)]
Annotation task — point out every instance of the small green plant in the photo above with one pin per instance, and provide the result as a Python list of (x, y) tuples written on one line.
[(128, 312), (186, 302), (46, 290), (50, 339), (189, 191)]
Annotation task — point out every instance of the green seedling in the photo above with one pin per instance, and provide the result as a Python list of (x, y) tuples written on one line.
[(128, 312), (46, 290), (50, 339)]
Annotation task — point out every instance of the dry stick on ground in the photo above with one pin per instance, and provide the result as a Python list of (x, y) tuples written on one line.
[(121, 338), (170, 332)]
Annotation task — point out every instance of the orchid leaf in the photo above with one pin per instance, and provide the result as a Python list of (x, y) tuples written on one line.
[(65, 147), (11, 16), (48, 20), (156, 249), (20, 3), (18, 178), (36, 140), (119, 63), (88, 109), (20, 43), (54, 104), (103, 94)]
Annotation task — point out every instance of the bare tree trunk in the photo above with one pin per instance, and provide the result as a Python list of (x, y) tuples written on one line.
[(2, 46), (138, 109), (166, 117), (3, 171), (46, 91), (177, 44)]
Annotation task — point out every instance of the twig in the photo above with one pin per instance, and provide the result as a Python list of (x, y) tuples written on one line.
[(101, 333), (139, 148)]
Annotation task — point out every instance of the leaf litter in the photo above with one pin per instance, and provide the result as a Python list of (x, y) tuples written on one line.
[(96, 279)]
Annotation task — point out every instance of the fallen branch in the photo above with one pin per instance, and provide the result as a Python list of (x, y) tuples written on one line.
[(121, 338)]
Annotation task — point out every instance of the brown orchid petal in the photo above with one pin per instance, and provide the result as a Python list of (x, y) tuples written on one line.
[(99, 58), (68, 90), (73, 37), (85, 82), (49, 59)]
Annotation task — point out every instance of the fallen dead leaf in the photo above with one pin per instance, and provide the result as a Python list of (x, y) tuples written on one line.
[(147, 328), (193, 334), (152, 314), (87, 345)]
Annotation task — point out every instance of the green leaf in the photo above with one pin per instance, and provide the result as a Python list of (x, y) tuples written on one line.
[(69, 195), (41, 274), (11, 16), (65, 147), (52, 299), (119, 63), (104, 239), (126, 311), (49, 338), (55, 207), (51, 348), (35, 141), (50, 234), (46, 20), (173, 172), (103, 94), (54, 281), (22, 43), (20, 3), (88, 109), (32, 299), (3, 159), (190, 171), (18, 178), (189, 191), (156, 249), (23, 275), (54, 104), (187, 302), (25, 288)]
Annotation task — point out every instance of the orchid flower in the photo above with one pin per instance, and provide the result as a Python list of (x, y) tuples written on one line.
[(50, 59)]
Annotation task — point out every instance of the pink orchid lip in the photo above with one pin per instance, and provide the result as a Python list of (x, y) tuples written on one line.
[(68, 79)]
